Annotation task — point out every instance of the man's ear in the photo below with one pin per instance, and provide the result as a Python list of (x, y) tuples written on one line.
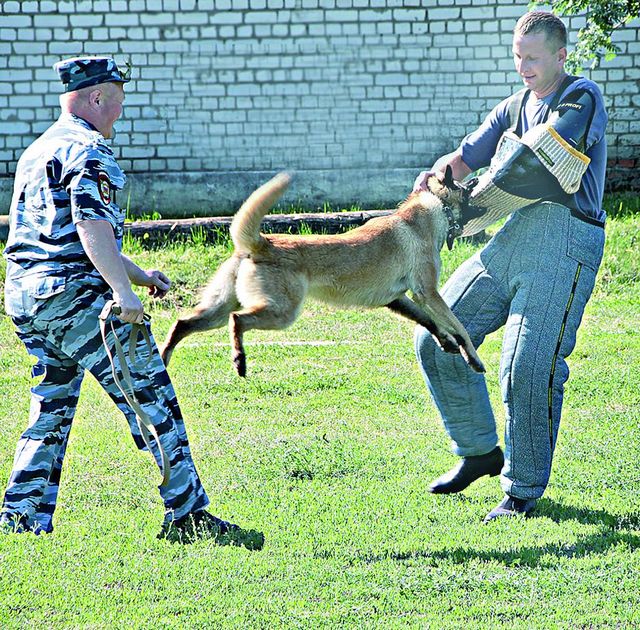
[(562, 55), (448, 179), (95, 96)]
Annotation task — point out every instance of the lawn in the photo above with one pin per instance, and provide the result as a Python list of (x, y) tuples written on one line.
[(328, 447)]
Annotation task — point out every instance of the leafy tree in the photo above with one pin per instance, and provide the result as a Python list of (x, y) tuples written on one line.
[(594, 39)]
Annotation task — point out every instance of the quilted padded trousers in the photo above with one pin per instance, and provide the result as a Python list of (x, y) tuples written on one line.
[(534, 278)]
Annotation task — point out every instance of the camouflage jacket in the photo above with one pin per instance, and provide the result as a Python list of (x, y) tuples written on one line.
[(69, 174)]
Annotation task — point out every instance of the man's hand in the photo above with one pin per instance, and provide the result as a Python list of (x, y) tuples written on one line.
[(421, 180), (458, 168), (158, 283), (131, 309)]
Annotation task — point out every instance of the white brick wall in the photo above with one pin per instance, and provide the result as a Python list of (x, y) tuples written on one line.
[(352, 90)]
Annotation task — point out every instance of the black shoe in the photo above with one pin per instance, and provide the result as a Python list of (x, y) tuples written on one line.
[(204, 526), (511, 506), (467, 471)]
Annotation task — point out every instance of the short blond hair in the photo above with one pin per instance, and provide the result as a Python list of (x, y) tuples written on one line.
[(543, 22)]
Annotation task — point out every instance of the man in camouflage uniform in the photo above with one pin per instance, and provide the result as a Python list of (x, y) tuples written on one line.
[(63, 264)]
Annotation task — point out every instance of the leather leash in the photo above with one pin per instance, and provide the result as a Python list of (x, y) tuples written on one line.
[(125, 385)]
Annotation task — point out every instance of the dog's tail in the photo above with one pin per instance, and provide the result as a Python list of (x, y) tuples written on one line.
[(245, 227)]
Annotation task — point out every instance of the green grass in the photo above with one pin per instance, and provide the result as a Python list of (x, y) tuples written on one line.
[(328, 447)]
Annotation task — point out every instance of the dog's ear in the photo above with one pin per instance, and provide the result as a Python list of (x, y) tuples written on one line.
[(449, 182), (435, 186)]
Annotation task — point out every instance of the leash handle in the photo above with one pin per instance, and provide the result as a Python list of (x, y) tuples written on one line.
[(112, 308), (125, 385)]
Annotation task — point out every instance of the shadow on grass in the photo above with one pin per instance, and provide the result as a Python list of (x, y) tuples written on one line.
[(544, 555), (558, 512), (610, 535)]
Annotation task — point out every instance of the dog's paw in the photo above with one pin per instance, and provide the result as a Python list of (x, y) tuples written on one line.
[(474, 362), (240, 363), (470, 355), (455, 344), (446, 342)]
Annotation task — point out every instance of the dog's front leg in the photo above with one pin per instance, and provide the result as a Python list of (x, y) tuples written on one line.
[(448, 325), (446, 329), (409, 309), (451, 342)]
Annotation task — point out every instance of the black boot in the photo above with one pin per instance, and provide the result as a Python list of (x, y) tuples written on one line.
[(468, 470), (511, 506)]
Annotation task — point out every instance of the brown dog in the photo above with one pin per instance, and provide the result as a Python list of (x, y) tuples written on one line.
[(264, 284)]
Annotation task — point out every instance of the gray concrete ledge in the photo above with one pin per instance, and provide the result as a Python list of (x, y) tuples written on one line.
[(179, 195)]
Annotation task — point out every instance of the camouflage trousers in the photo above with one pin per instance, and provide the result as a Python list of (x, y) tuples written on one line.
[(62, 334)]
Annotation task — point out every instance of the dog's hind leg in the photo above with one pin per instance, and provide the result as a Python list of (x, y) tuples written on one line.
[(217, 302), (264, 317)]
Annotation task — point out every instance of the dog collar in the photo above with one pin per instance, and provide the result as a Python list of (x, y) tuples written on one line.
[(455, 229), (467, 212)]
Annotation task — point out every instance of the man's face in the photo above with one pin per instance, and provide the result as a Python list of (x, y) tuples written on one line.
[(111, 100), (539, 65)]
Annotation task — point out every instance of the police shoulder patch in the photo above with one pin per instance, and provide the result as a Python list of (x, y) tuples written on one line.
[(104, 188)]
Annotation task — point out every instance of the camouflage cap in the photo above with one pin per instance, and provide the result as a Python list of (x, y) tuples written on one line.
[(80, 72)]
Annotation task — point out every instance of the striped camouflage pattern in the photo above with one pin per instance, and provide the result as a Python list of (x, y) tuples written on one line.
[(80, 72), (54, 296), (62, 334), (68, 174)]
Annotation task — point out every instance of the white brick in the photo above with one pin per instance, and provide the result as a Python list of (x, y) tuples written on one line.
[(512, 12), (11, 7), (122, 19), (435, 15), (410, 15), (156, 18), (66, 6), (192, 18), (16, 21), (86, 20), (262, 17), (65, 48), (80, 34), (136, 47), (31, 48), (43, 34), (51, 21), (226, 17), (87, 6), (392, 79), (17, 129), (479, 13), (61, 34)]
